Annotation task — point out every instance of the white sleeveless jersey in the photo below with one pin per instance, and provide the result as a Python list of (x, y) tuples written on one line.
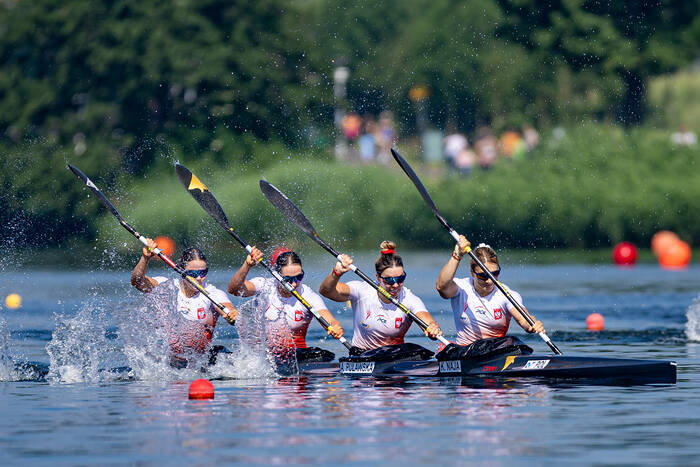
[(298, 317), (377, 323), (200, 314), (478, 317)]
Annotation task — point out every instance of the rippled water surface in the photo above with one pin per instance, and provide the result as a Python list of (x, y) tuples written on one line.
[(108, 399)]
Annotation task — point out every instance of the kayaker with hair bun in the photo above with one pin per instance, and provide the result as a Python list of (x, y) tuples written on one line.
[(481, 311), (199, 313), (280, 300), (377, 321)]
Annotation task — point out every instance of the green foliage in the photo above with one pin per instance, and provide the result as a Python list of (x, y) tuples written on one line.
[(571, 193)]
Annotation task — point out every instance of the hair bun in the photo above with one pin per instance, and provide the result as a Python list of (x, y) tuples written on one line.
[(388, 247)]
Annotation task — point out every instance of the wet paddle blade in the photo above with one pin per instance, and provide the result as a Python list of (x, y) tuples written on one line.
[(103, 199), (288, 208), (202, 195)]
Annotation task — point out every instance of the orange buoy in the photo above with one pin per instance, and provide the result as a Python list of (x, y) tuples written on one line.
[(201, 389), (661, 240), (166, 244), (624, 254), (595, 322), (675, 256)]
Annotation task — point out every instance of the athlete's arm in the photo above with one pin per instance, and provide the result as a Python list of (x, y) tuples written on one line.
[(232, 315), (445, 285), (238, 285), (331, 287), (537, 327), (139, 279), (336, 329), (433, 330)]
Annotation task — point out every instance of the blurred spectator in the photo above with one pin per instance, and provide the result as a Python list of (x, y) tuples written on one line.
[(486, 147), (453, 144), (367, 143), (385, 137), (352, 124), (465, 161), (684, 137), (531, 137), (512, 145)]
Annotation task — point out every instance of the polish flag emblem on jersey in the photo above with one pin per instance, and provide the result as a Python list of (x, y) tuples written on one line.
[(298, 315), (201, 314), (398, 322), (497, 313)]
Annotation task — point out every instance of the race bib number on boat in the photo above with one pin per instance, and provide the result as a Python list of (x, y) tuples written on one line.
[(535, 364), (361, 368), (451, 366)]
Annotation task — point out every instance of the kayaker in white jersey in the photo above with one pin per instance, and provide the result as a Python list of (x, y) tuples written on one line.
[(481, 311), (377, 321), (199, 313), (280, 300)]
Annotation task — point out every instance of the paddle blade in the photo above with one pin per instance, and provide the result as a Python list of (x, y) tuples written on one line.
[(103, 199), (288, 208), (202, 195)]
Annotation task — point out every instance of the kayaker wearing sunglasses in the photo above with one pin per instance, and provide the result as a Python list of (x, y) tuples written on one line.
[(199, 313), (377, 321), (288, 264), (480, 310)]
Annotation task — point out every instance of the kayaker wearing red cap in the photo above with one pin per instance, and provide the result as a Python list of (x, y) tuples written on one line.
[(377, 321), (288, 264), (199, 313), (481, 311)]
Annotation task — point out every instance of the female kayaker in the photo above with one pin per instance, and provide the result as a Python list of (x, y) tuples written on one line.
[(480, 310), (199, 313), (377, 321), (288, 264)]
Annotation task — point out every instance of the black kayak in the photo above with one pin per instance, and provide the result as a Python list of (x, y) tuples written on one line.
[(517, 366), (500, 357)]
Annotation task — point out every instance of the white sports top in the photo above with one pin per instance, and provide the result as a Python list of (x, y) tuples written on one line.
[(478, 317), (298, 317), (376, 323), (200, 313)]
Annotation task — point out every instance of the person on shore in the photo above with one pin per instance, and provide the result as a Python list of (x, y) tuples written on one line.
[(279, 299), (200, 315), (377, 321), (480, 309)]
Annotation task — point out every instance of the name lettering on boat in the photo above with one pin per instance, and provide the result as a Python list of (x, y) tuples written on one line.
[(359, 368), (535, 364), (450, 366)]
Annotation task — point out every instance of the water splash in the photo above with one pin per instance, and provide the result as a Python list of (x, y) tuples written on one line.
[(692, 325)]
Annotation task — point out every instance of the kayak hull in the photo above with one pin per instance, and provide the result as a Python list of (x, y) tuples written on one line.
[(511, 366)]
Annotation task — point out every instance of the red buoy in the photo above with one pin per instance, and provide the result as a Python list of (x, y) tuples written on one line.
[(166, 244), (675, 256), (201, 389), (624, 254), (595, 322)]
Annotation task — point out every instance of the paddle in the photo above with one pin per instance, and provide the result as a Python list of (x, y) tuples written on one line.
[(223, 311), (429, 201), (206, 199), (294, 214)]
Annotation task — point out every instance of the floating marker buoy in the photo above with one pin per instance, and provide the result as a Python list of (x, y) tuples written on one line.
[(13, 301), (624, 254), (201, 389), (661, 240), (675, 256), (166, 244), (595, 322)]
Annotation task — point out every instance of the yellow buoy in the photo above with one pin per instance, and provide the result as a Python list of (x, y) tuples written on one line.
[(13, 301)]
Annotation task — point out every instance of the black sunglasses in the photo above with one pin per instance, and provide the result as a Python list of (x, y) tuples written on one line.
[(483, 276), (298, 278), (197, 272), (394, 280)]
